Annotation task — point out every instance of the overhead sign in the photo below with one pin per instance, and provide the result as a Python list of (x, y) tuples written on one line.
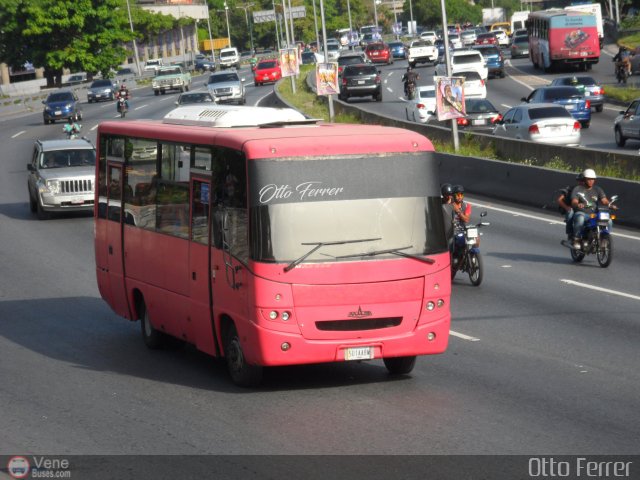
[(264, 16)]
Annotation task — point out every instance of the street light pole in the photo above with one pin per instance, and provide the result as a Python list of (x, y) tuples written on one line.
[(375, 13), (226, 12), (213, 55), (445, 33), (246, 17), (135, 46), (324, 41)]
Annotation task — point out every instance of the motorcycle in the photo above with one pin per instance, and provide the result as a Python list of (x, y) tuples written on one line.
[(595, 236), (411, 90), (466, 253), (122, 106), (72, 131), (621, 73)]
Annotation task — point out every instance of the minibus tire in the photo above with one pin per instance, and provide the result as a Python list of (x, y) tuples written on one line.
[(242, 374), (152, 338), (400, 365)]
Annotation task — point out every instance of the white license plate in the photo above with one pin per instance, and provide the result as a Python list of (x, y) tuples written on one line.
[(57, 113), (76, 201), (570, 107), (525, 52), (472, 233), (360, 82), (358, 353), (478, 122), (555, 129)]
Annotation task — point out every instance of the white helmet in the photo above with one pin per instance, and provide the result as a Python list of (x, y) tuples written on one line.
[(589, 173)]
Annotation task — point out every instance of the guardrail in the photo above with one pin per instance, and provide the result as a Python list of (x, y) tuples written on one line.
[(515, 182)]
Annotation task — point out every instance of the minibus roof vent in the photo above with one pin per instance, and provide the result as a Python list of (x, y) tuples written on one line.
[(234, 116)]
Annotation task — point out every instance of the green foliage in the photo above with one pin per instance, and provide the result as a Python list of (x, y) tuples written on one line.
[(623, 94), (429, 12)]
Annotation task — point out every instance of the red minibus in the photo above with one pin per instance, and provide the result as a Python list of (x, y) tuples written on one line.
[(563, 38), (269, 239)]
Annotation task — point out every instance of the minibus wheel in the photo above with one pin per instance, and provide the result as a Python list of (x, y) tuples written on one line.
[(152, 338), (399, 365), (241, 372)]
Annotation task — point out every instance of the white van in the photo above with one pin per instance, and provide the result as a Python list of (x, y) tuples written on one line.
[(153, 65), (229, 57)]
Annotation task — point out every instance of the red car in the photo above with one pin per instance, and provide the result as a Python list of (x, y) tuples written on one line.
[(487, 39), (379, 53), (267, 71)]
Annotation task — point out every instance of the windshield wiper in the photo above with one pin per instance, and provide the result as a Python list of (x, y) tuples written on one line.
[(319, 245), (394, 251)]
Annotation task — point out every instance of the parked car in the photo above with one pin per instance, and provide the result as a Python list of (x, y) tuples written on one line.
[(397, 50), (455, 40), (76, 79), (267, 71), (379, 53), (519, 47), (227, 86), (539, 122), (474, 86), (588, 86), (429, 36), (61, 106), (569, 97), (360, 81), (333, 51), (189, 98), (494, 59), (488, 38), (61, 176), (423, 106), (124, 75), (103, 89), (627, 124)]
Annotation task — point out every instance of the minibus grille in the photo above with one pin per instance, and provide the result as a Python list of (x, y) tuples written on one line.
[(75, 186), (356, 325)]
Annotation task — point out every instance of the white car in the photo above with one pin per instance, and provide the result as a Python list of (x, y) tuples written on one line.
[(429, 36), (464, 61), (474, 86), (333, 51), (455, 40), (422, 108), (468, 37), (540, 122), (503, 38)]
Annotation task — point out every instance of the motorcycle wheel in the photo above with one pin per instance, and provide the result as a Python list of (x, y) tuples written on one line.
[(475, 268), (122, 113), (605, 251), (577, 255)]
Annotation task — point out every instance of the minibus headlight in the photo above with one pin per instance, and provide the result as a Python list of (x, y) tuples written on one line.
[(273, 314)]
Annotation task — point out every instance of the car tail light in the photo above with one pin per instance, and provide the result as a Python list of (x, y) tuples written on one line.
[(496, 119), (482, 83), (463, 122), (420, 106), (601, 92), (533, 129), (587, 104), (577, 126), (344, 81)]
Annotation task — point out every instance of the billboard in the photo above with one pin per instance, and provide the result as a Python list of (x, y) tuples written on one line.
[(327, 78), (289, 62), (449, 97)]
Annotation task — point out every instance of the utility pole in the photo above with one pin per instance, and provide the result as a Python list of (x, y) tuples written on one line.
[(135, 46), (246, 7), (445, 32)]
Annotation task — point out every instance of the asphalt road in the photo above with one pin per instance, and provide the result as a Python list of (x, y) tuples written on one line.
[(543, 356)]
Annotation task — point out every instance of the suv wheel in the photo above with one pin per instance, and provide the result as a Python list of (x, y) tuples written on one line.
[(33, 203)]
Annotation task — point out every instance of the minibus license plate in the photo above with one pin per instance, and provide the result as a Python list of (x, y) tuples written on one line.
[(358, 353)]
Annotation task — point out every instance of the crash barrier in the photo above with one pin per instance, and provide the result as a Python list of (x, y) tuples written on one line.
[(515, 182)]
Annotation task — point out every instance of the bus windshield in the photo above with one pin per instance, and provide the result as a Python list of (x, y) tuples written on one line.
[(290, 218)]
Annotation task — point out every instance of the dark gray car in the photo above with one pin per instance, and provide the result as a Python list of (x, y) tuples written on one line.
[(361, 81), (103, 89)]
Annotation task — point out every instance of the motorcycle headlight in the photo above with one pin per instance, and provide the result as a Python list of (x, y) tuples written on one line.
[(67, 106), (603, 215), (52, 186)]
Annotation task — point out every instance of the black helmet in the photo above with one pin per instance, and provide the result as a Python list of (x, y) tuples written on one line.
[(458, 189), (580, 176), (446, 189), (409, 68)]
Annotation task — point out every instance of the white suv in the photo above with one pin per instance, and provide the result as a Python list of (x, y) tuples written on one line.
[(229, 57), (465, 60)]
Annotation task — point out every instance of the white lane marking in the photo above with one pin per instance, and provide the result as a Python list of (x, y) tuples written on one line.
[(389, 90), (600, 289), (141, 106), (543, 219), (18, 134), (463, 336), (505, 105), (94, 127)]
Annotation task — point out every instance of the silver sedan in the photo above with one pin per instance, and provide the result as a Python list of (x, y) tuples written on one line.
[(540, 122)]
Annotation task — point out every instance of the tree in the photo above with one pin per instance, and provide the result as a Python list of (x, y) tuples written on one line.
[(429, 12)]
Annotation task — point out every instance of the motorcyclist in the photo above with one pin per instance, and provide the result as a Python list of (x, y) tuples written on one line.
[(564, 203), (71, 128), (594, 195), (123, 93), (461, 210), (447, 193), (623, 59), (410, 77)]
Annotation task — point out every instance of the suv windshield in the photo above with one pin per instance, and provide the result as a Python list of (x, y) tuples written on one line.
[(68, 158), (101, 83), (360, 70), (223, 77), (228, 54), (170, 71), (60, 97)]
